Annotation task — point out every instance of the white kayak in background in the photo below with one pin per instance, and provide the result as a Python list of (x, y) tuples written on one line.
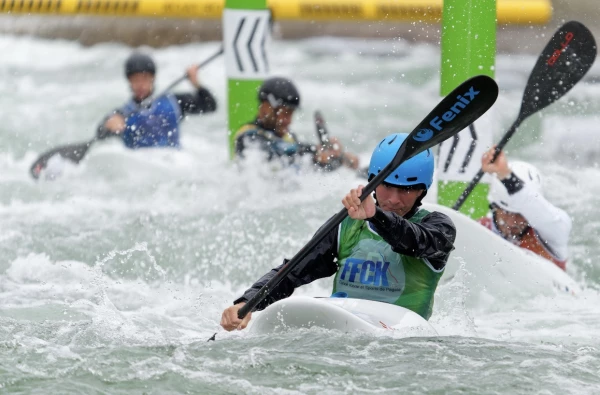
[(343, 314), (497, 268)]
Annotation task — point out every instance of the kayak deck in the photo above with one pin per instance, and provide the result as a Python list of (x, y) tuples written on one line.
[(343, 314)]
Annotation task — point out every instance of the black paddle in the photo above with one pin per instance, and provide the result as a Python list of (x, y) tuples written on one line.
[(321, 130), (565, 60), (323, 136), (455, 112), (76, 152)]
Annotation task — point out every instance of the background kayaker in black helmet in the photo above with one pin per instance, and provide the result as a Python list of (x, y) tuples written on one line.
[(158, 124), (278, 99)]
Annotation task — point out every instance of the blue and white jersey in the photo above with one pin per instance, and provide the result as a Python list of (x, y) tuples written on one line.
[(155, 126)]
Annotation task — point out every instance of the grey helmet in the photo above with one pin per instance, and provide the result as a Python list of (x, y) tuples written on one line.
[(279, 92), (139, 63)]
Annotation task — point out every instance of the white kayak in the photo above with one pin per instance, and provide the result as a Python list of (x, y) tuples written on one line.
[(490, 267), (497, 267), (343, 314)]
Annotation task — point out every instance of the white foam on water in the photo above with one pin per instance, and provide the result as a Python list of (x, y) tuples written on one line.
[(132, 251)]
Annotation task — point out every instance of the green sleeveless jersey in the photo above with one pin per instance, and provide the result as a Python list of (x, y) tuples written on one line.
[(369, 269)]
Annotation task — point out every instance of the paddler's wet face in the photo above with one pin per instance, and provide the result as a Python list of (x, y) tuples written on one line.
[(397, 199), (142, 85), (510, 225), (278, 119)]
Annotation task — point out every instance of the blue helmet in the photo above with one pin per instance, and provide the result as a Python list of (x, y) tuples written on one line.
[(417, 170)]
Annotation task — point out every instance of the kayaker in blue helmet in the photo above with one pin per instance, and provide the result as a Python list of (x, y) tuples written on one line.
[(156, 125), (278, 100), (388, 249)]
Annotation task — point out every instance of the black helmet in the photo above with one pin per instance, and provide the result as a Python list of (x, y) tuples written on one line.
[(139, 63), (279, 92)]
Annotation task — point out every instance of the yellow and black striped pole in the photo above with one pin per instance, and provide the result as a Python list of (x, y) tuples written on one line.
[(508, 11)]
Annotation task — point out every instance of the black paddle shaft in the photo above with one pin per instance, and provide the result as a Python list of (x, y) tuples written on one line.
[(76, 152), (149, 100), (321, 130), (461, 107), (562, 64)]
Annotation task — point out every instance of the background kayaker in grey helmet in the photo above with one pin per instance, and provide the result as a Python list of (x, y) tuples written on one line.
[(520, 213), (158, 124), (278, 99), (388, 249)]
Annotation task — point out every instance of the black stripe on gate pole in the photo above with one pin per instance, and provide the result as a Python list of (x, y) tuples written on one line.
[(469, 154), (249, 44), (455, 141), (263, 43), (235, 48)]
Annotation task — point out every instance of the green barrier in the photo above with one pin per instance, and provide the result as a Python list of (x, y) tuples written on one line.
[(468, 49)]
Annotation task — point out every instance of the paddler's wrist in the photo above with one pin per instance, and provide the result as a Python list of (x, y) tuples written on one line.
[(240, 300), (504, 175), (379, 218)]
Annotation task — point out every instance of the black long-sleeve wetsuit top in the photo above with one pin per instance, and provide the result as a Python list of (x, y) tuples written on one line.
[(268, 141), (432, 238)]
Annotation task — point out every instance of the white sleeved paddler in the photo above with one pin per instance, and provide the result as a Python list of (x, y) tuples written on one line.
[(521, 193)]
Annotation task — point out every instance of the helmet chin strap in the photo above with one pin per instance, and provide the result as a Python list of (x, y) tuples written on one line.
[(417, 204), (419, 200)]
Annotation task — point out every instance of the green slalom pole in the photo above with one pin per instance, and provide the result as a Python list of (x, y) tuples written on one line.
[(468, 49), (246, 36)]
